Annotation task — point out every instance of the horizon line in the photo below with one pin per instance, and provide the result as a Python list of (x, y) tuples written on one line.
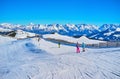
[(57, 23)]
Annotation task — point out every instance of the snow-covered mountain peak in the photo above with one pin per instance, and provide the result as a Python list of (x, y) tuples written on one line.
[(109, 27), (68, 29), (118, 29), (7, 25), (31, 24)]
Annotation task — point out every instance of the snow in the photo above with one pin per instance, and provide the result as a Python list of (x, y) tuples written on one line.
[(118, 29), (109, 33), (116, 35), (58, 36), (5, 40), (6, 24), (23, 34), (60, 28), (101, 38), (30, 59), (73, 40), (88, 41), (53, 48), (4, 30)]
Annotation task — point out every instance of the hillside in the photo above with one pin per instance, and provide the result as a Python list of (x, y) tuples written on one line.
[(71, 39)]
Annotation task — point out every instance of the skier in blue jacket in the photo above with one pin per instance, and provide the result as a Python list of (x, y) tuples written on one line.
[(83, 47)]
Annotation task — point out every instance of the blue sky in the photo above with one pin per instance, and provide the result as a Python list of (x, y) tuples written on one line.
[(96, 12)]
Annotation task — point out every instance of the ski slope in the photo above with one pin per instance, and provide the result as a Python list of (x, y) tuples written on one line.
[(30, 59)]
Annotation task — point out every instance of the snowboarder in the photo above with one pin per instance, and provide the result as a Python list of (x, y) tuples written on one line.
[(83, 47), (77, 48), (59, 45)]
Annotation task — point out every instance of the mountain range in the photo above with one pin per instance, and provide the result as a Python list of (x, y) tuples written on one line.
[(109, 32)]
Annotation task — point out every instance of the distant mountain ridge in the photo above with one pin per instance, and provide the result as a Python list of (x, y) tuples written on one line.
[(107, 32)]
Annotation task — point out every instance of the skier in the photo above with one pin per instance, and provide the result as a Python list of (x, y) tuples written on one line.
[(77, 48), (59, 45), (38, 39), (83, 47)]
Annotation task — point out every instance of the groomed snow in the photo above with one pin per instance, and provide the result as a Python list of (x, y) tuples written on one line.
[(73, 40), (30, 59)]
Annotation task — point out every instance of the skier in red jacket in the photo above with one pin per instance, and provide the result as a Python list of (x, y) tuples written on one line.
[(77, 48)]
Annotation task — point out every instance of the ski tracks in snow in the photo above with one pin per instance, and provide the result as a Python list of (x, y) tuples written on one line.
[(81, 66), (36, 63)]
